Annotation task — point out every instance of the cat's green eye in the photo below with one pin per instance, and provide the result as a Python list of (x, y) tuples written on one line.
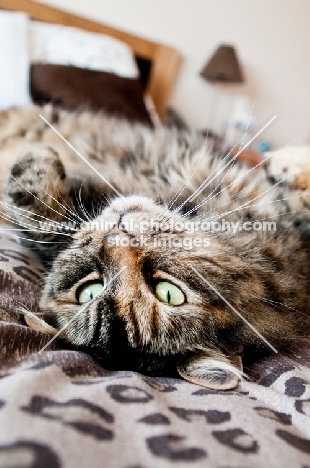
[(169, 293), (88, 291)]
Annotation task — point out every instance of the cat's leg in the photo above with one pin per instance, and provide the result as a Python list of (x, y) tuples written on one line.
[(36, 199), (212, 369)]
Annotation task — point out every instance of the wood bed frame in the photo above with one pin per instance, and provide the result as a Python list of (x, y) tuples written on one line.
[(164, 60)]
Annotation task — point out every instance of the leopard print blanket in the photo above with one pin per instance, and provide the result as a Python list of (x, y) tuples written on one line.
[(58, 408)]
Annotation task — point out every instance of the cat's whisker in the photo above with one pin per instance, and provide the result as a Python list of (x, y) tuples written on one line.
[(34, 228), (205, 200), (87, 304), (41, 201), (14, 208), (102, 194), (203, 186), (284, 305), (29, 239), (29, 227), (12, 220), (178, 194), (235, 310), (73, 212), (216, 171), (283, 214), (43, 189), (233, 160), (216, 208), (245, 205), (38, 226), (280, 200), (82, 157), (230, 162), (247, 172), (209, 197), (81, 204), (56, 227)]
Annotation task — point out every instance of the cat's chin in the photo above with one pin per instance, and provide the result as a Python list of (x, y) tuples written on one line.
[(208, 369), (213, 372)]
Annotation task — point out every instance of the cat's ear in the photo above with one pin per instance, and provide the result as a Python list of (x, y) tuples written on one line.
[(212, 369), (36, 323)]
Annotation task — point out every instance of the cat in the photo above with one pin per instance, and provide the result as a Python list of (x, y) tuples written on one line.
[(172, 259)]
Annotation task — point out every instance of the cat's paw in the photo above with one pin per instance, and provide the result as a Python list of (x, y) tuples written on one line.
[(212, 370), (36, 187)]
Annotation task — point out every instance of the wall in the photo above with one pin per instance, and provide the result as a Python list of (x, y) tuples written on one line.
[(272, 39)]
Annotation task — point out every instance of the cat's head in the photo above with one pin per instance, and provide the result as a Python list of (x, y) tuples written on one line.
[(131, 290)]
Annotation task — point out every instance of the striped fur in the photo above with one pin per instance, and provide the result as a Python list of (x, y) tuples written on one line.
[(264, 275)]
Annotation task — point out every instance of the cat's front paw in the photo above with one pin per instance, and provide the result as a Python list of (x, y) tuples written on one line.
[(35, 190), (212, 369)]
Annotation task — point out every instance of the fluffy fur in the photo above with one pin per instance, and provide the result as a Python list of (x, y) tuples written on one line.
[(263, 274)]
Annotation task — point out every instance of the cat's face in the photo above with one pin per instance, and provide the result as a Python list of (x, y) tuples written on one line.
[(126, 291)]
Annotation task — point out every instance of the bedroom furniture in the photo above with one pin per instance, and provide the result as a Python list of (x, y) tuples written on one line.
[(159, 63), (223, 66)]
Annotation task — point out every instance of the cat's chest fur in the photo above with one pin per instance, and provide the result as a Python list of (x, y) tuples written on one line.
[(173, 234)]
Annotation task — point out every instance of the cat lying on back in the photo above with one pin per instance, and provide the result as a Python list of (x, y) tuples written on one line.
[(152, 263)]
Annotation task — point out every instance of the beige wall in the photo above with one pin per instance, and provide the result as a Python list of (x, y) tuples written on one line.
[(272, 38)]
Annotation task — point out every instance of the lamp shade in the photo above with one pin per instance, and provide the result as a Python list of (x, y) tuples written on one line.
[(223, 66)]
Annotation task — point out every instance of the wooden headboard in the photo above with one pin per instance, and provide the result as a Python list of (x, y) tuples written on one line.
[(164, 60)]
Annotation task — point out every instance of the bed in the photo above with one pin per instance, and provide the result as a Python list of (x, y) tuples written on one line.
[(59, 408)]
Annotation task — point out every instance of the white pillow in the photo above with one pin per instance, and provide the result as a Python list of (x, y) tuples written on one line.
[(14, 63), (64, 45)]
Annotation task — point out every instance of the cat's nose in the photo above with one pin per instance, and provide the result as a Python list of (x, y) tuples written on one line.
[(117, 230), (115, 233)]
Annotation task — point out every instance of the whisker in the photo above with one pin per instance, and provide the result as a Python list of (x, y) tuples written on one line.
[(246, 205), (206, 182), (82, 157), (81, 204), (269, 202), (14, 208), (30, 240), (284, 305), (178, 194), (33, 230), (41, 201), (87, 304), (38, 227), (72, 212), (233, 160), (41, 187), (29, 227), (235, 310), (224, 204), (247, 172)]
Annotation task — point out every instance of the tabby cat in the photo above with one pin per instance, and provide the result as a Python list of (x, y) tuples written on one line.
[(171, 258)]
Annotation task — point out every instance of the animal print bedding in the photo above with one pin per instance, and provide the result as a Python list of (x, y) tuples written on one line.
[(59, 408)]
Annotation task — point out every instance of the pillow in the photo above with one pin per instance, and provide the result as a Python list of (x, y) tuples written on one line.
[(63, 45), (76, 88), (14, 75)]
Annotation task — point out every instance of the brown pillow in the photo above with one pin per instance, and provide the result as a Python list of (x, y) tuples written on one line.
[(78, 88)]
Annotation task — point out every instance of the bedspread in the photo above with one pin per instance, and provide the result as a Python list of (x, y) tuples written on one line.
[(59, 408)]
